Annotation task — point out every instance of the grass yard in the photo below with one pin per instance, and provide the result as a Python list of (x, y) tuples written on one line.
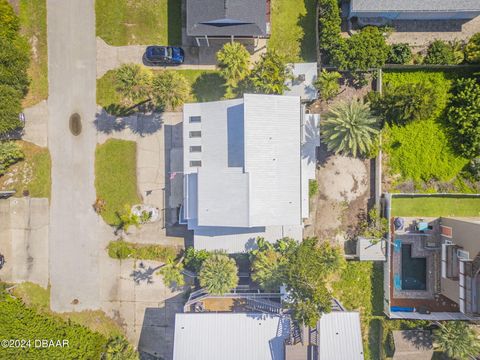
[(293, 29), (435, 206), (38, 298), (207, 85), (33, 23), (32, 173), (116, 177), (420, 152), (141, 22), (360, 288)]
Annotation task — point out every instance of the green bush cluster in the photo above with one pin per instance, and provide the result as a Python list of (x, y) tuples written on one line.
[(329, 28), (194, 259), (14, 62), (472, 49), (400, 54), (120, 249), (442, 53), (10, 153)]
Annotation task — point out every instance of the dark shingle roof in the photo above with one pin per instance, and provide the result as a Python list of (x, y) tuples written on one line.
[(415, 5), (226, 17)]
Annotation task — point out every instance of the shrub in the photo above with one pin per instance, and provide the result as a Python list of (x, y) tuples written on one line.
[(312, 187), (133, 82), (399, 54), (472, 50), (194, 259), (404, 103), (349, 128), (14, 62), (233, 60), (118, 348), (440, 53), (120, 249), (10, 107), (9, 21), (327, 84), (218, 274), (268, 76), (374, 226), (363, 51), (463, 116), (329, 23), (170, 90), (474, 168), (10, 153)]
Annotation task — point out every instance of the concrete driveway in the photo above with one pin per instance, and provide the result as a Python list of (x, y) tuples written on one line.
[(76, 233)]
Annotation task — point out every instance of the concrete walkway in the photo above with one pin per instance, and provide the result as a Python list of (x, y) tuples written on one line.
[(36, 124), (110, 57)]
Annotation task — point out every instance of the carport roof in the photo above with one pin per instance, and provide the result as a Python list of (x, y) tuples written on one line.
[(226, 18)]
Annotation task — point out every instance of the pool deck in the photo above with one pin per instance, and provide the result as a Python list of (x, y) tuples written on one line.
[(426, 244)]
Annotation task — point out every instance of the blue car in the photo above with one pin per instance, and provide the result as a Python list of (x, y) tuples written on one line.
[(164, 55)]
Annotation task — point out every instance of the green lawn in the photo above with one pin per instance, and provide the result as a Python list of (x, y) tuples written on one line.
[(33, 22), (142, 22), (32, 173), (435, 206), (421, 151), (207, 85), (116, 177), (293, 29), (360, 288)]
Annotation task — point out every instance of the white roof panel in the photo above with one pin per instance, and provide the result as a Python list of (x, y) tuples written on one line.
[(232, 336), (340, 336)]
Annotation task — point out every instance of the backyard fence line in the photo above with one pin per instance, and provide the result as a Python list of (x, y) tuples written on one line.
[(406, 195)]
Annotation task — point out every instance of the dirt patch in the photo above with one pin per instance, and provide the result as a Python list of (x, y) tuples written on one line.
[(342, 199)]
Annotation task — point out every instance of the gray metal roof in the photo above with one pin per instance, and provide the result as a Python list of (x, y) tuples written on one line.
[(340, 336), (226, 17), (232, 336), (414, 5), (371, 249)]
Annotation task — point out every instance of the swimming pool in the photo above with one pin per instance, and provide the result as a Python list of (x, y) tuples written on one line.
[(414, 270)]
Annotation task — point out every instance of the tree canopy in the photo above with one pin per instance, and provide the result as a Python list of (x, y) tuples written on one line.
[(472, 50), (457, 340), (233, 61), (170, 90), (440, 53), (218, 274)]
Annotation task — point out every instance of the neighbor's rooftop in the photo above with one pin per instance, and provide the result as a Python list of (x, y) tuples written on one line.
[(410, 5)]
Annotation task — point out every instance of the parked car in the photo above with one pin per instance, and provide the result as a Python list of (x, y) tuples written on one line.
[(164, 55)]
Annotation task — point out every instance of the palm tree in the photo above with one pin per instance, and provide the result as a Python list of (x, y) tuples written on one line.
[(349, 128), (233, 60), (133, 82), (118, 348), (172, 273), (218, 274), (457, 340), (170, 90), (327, 84)]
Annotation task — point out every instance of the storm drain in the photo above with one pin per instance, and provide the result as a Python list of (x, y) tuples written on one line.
[(75, 124)]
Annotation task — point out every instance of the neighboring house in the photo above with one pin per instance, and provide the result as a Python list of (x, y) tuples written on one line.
[(243, 325), (433, 268), (231, 19), (412, 345), (247, 164), (302, 83), (376, 12)]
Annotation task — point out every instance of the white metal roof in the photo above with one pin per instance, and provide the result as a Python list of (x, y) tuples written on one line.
[(229, 336), (340, 336), (272, 157)]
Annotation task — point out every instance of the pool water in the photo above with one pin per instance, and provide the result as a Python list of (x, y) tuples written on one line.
[(414, 270)]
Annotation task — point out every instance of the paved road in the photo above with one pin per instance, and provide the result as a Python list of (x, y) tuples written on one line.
[(74, 226)]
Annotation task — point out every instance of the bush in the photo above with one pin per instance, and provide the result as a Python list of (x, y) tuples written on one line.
[(440, 53), (463, 116), (327, 84), (474, 168), (10, 153), (14, 62), (170, 90), (8, 19), (10, 107), (233, 61), (472, 50), (406, 102), (268, 76), (218, 274), (364, 50), (312, 187), (133, 82), (399, 54), (194, 259), (329, 23), (120, 249), (118, 348)]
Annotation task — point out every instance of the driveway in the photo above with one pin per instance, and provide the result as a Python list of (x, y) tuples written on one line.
[(76, 233)]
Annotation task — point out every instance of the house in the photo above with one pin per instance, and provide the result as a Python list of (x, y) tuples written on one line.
[(251, 325), (232, 19), (432, 270), (247, 164), (374, 12)]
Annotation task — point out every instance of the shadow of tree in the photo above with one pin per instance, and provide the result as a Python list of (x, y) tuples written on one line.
[(144, 274), (209, 87), (138, 123)]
